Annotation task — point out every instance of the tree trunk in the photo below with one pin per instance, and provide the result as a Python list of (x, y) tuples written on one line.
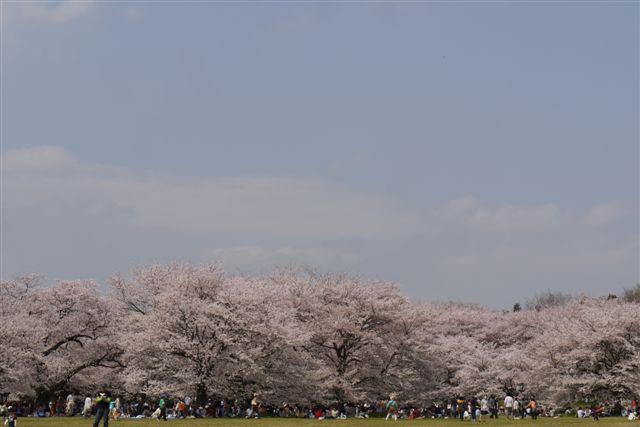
[(201, 394)]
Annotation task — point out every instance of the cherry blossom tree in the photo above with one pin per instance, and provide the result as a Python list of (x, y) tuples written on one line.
[(592, 349), (359, 336), (192, 329), (55, 337), (306, 338)]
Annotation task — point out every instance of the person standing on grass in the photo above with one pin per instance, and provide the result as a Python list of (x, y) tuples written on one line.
[(392, 408), (103, 399), (163, 409), (112, 409), (460, 402), (494, 407), (255, 406), (532, 408), (11, 420), (70, 407), (474, 405), (86, 410), (484, 409), (508, 406)]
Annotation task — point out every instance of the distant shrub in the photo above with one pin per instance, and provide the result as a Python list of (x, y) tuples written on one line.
[(548, 299), (632, 294)]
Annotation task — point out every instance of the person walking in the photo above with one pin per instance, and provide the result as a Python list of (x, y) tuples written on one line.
[(596, 411), (163, 409), (103, 399)]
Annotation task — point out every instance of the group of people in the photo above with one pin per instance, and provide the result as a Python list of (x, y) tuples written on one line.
[(106, 407), (490, 407), (596, 410)]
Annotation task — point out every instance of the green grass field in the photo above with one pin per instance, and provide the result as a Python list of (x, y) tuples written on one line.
[(291, 422)]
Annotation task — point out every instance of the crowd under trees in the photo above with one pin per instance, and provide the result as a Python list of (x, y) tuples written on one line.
[(307, 338)]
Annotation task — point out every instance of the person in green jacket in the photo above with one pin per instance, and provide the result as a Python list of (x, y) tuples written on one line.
[(392, 408), (163, 409)]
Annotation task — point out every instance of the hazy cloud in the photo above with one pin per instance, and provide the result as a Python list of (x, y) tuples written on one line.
[(47, 11), (246, 205), (508, 217), (264, 259), (36, 158), (112, 218), (603, 214)]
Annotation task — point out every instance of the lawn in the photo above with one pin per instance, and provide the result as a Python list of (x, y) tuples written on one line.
[(291, 422)]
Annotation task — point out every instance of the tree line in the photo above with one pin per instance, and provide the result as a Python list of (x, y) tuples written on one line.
[(306, 338)]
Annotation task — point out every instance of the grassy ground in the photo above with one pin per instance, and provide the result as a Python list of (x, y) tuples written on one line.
[(292, 422)]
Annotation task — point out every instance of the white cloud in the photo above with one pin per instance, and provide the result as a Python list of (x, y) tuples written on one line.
[(36, 158), (264, 205), (55, 204), (259, 258), (461, 204), (510, 217), (240, 205), (48, 11), (471, 214), (602, 214)]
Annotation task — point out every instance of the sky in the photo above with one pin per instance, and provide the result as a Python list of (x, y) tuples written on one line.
[(480, 152)]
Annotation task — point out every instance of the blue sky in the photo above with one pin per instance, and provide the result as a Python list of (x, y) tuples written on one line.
[(475, 151)]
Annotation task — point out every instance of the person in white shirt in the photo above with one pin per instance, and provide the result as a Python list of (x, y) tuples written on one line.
[(70, 406), (508, 406), (484, 409), (86, 411), (516, 408)]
